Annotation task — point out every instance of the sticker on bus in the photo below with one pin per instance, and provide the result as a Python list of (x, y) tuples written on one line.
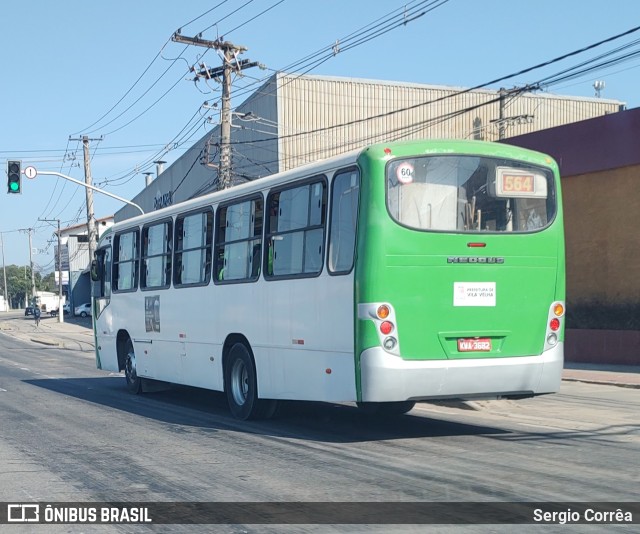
[(405, 173), (479, 344), (474, 293)]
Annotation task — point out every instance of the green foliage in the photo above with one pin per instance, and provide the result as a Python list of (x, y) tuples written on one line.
[(48, 283), (597, 315), (19, 284)]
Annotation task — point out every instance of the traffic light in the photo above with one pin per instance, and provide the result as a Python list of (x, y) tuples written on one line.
[(14, 177)]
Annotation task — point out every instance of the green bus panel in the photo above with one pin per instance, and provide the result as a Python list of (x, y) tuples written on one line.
[(417, 272)]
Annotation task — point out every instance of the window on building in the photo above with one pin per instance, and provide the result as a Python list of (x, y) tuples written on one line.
[(193, 236), (125, 261), (296, 230), (156, 255), (345, 194), (239, 241)]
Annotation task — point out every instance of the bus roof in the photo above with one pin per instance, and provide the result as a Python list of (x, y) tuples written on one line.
[(379, 150)]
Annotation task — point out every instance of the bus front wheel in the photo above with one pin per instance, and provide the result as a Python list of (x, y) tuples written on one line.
[(241, 386), (134, 382), (386, 408)]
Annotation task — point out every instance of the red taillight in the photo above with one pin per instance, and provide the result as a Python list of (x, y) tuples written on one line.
[(386, 327), (554, 324)]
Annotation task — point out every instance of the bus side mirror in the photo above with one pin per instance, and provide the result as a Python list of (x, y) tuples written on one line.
[(96, 271)]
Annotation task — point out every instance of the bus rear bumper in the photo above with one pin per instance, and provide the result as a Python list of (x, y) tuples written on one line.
[(385, 377)]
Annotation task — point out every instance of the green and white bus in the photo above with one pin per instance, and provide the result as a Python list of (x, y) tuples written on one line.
[(400, 272)]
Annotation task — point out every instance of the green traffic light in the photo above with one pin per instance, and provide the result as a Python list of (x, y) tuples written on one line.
[(14, 176)]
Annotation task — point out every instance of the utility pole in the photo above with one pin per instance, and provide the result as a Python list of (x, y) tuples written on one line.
[(4, 273), (503, 121), (230, 63), (60, 311), (91, 220), (33, 280), (501, 128)]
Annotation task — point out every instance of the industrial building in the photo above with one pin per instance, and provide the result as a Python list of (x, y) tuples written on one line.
[(296, 119)]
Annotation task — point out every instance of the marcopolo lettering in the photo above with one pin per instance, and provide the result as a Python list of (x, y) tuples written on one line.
[(475, 259)]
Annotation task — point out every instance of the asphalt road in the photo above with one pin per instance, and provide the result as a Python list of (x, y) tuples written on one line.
[(69, 432)]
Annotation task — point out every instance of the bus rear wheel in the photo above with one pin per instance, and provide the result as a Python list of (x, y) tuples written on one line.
[(386, 408), (134, 382), (241, 386)]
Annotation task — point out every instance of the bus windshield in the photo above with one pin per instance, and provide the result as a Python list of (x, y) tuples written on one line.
[(469, 194)]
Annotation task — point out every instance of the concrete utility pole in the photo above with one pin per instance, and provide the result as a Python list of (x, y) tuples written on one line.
[(229, 64), (33, 280), (501, 128), (4, 274), (60, 311), (91, 220), (503, 121)]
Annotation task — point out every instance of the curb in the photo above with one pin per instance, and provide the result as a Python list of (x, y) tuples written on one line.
[(47, 342), (603, 382)]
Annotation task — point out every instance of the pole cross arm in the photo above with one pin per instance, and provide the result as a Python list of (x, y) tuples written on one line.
[(60, 175)]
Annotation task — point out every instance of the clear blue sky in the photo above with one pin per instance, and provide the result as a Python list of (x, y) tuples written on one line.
[(65, 64)]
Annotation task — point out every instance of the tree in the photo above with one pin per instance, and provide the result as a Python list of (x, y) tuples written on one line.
[(19, 284), (48, 282)]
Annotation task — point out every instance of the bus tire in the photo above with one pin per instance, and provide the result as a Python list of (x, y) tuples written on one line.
[(241, 386), (134, 382), (386, 408)]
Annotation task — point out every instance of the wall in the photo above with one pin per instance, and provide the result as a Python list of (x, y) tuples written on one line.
[(602, 220), (600, 166)]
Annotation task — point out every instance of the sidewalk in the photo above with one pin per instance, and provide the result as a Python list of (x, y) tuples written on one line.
[(616, 375), (74, 334)]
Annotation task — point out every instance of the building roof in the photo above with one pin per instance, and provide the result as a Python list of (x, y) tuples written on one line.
[(83, 226)]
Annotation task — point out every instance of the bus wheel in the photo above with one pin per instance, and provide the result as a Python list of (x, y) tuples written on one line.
[(386, 408), (134, 382), (241, 386)]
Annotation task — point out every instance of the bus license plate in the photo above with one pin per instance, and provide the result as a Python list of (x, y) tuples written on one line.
[(480, 344)]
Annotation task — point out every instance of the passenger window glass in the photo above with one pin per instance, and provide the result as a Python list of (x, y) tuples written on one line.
[(296, 230), (125, 263), (194, 235), (239, 241), (156, 255), (344, 213)]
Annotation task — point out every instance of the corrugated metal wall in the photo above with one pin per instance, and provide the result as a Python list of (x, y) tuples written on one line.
[(320, 117), (300, 119)]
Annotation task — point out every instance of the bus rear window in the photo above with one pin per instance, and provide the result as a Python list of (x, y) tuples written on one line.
[(470, 194)]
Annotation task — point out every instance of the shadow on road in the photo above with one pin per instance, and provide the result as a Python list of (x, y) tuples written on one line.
[(186, 408)]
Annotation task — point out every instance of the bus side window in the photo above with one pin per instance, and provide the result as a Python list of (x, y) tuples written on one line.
[(296, 229), (126, 261), (156, 255), (193, 248), (345, 196), (239, 240)]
